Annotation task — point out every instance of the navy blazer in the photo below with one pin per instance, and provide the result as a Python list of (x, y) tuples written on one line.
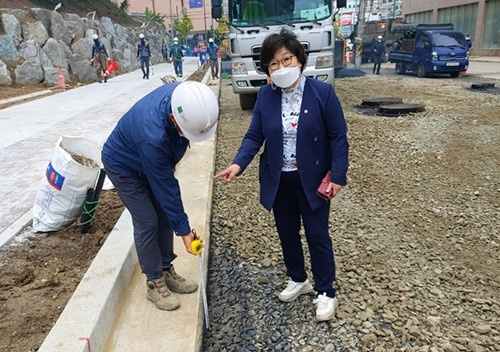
[(321, 141)]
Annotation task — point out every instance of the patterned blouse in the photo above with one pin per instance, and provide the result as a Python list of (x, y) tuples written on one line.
[(291, 100)]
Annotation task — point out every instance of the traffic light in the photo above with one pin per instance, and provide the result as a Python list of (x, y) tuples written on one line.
[(216, 9), (341, 3)]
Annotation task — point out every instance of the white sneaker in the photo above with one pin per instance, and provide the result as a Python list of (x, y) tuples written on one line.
[(325, 307), (294, 290)]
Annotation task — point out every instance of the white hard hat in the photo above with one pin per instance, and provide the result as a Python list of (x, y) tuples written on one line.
[(175, 39), (210, 40), (95, 36), (379, 37), (141, 36), (196, 109)]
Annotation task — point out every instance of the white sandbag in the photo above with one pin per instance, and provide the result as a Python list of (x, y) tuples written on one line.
[(62, 191)]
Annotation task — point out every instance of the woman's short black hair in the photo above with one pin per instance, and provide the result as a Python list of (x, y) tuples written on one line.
[(285, 38)]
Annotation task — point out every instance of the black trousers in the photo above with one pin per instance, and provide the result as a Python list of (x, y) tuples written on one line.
[(145, 66), (290, 207), (377, 61)]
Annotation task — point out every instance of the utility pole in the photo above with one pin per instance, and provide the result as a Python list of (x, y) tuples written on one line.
[(154, 10), (394, 9), (205, 14), (171, 25), (360, 32)]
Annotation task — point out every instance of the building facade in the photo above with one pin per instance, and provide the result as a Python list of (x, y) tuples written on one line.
[(478, 18), (199, 11)]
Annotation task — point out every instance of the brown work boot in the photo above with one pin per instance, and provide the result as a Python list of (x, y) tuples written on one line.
[(177, 283), (160, 295)]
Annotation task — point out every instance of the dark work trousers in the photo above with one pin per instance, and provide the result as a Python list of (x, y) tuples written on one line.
[(145, 67), (153, 236), (178, 67), (214, 68), (377, 61), (289, 207)]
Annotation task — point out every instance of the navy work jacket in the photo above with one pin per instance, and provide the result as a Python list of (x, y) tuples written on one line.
[(321, 141), (145, 143)]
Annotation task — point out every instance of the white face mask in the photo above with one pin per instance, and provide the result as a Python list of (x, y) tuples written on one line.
[(286, 76)]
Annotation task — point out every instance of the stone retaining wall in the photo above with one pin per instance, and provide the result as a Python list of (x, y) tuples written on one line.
[(35, 43)]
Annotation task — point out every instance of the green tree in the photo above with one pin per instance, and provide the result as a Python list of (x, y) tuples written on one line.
[(222, 28), (155, 17), (124, 5), (182, 27)]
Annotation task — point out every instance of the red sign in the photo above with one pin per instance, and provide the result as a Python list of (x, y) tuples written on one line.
[(346, 19)]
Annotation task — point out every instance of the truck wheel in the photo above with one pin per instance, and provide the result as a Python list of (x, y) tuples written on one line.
[(247, 101), (454, 74), (420, 70), (400, 68), (385, 58)]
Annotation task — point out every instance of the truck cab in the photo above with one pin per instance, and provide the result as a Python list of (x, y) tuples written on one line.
[(431, 49), (251, 21)]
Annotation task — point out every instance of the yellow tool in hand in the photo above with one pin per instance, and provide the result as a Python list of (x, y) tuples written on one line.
[(197, 249)]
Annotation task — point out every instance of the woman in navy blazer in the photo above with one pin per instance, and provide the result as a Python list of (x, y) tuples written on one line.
[(301, 124)]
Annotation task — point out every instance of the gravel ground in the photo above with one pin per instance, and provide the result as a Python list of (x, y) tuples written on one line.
[(415, 232)]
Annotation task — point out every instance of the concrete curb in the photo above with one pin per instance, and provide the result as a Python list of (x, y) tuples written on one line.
[(17, 227), (88, 318)]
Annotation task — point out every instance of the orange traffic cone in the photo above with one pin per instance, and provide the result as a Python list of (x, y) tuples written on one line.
[(60, 81), (112, 66)]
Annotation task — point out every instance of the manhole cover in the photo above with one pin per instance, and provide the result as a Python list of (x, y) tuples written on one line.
[(377, 101), (482, 85), (400, 109)]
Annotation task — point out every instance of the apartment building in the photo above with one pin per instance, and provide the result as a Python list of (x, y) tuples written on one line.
[(478, 18)]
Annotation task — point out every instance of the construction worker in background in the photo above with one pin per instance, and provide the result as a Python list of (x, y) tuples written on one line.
[(140, 157), (100, 58), (176, 56), (143, 54), (468, 40), (378, 50), (164, 51), (212, 50)]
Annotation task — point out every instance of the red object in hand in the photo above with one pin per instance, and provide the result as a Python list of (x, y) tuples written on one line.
[(323, 186)]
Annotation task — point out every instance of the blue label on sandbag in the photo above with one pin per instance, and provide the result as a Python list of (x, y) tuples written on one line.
[(54, 178)]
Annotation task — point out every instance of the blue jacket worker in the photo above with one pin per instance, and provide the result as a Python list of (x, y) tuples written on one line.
[(212, 50), (139, 158), (378, 50), (176, 56), (143, 53), (100, 59)]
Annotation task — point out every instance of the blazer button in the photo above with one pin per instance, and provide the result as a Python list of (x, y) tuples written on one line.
[(306, 111), (316, 139), (316, 162)]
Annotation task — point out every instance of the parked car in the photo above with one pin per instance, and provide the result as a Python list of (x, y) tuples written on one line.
[(187, 51)]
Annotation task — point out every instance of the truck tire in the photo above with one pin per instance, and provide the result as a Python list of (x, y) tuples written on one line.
[(385, 58), (454, 74), (400, 68), (420, 71), (247, 101)]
